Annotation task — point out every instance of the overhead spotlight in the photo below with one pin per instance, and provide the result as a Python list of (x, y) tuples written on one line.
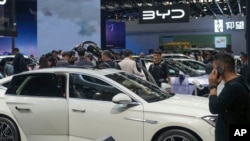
[(139, 4), (149, 4), (225, 8), (127, 5)]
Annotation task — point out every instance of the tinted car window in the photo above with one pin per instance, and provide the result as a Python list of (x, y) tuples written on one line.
[(88, 87), (141, 87), (35, 85), (194, 65)]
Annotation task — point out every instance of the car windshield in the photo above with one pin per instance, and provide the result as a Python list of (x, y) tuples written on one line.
[(146, 90), (187, 70), (176, 66)]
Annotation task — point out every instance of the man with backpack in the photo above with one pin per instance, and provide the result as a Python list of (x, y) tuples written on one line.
[(159, 69), (232, 104)]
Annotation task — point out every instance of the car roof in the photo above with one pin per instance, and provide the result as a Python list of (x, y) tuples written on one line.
[(172, 55), (11, 56), (93, 71)]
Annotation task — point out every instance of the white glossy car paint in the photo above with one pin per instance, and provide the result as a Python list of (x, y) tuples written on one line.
[(74, 119)]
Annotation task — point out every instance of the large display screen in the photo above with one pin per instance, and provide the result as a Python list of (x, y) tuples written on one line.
[(62, 24), (115, 35), (46, 25)]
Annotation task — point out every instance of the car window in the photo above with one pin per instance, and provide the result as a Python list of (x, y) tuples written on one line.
[(89, 87), (37, 85), (194, 65), (139, 86)]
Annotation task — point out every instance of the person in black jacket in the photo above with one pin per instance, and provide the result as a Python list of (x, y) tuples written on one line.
[(232, 104), (19, 63), (159, 69), (107, 60)]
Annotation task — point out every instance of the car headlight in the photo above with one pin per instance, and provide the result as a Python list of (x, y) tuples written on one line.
[(210, 119)]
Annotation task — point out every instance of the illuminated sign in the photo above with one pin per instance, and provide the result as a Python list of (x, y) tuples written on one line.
[(235, 25), (2, 2), (164, 14), (218, 25)]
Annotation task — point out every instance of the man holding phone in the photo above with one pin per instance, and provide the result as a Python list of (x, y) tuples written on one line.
[(232, 103)]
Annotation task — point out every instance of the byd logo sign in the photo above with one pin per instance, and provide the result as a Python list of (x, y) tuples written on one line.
[(2, 2), (164, 14)]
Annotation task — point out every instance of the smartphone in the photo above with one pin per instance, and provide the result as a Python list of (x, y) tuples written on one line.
[(220, 70)]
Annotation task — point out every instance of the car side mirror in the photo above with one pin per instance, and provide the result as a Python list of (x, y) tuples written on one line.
[(123, 99)]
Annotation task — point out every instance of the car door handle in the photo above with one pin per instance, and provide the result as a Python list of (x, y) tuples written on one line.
[(22, 109), (80, 111)]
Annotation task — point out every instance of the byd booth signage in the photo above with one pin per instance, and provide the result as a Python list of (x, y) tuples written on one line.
[(164, 14)]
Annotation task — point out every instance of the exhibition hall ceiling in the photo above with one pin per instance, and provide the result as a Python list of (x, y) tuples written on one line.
[(128, 9)]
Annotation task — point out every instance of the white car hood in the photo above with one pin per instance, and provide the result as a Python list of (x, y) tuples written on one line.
[(186, 105)]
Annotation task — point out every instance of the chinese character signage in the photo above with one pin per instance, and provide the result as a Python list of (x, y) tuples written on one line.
[(218, 25), (164, 14), (235, 25)]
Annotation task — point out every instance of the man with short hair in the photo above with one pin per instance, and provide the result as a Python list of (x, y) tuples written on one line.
[(82, 61), (129, 65), (159, 69), (107, 60), (19, 63), (64, 62), (232, 104)]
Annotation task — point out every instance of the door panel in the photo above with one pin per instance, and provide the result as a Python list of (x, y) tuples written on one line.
[(93, 119), (37, 102), (92, 113), (40, 116)]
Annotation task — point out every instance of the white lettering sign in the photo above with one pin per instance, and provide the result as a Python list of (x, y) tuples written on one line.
[(150, 14), (237, 25), (239, 132), (3, 2), (230, 25)]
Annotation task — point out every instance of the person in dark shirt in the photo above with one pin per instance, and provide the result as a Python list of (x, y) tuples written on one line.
[(159, 69), (107, 60), (232, 103), (19, 63), (82, 61), (244, 67)]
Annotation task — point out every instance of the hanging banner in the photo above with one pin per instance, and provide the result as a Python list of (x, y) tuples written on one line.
[(164, 14)]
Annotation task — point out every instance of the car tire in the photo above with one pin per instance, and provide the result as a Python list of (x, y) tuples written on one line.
[(176, 134), (8, 130)]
